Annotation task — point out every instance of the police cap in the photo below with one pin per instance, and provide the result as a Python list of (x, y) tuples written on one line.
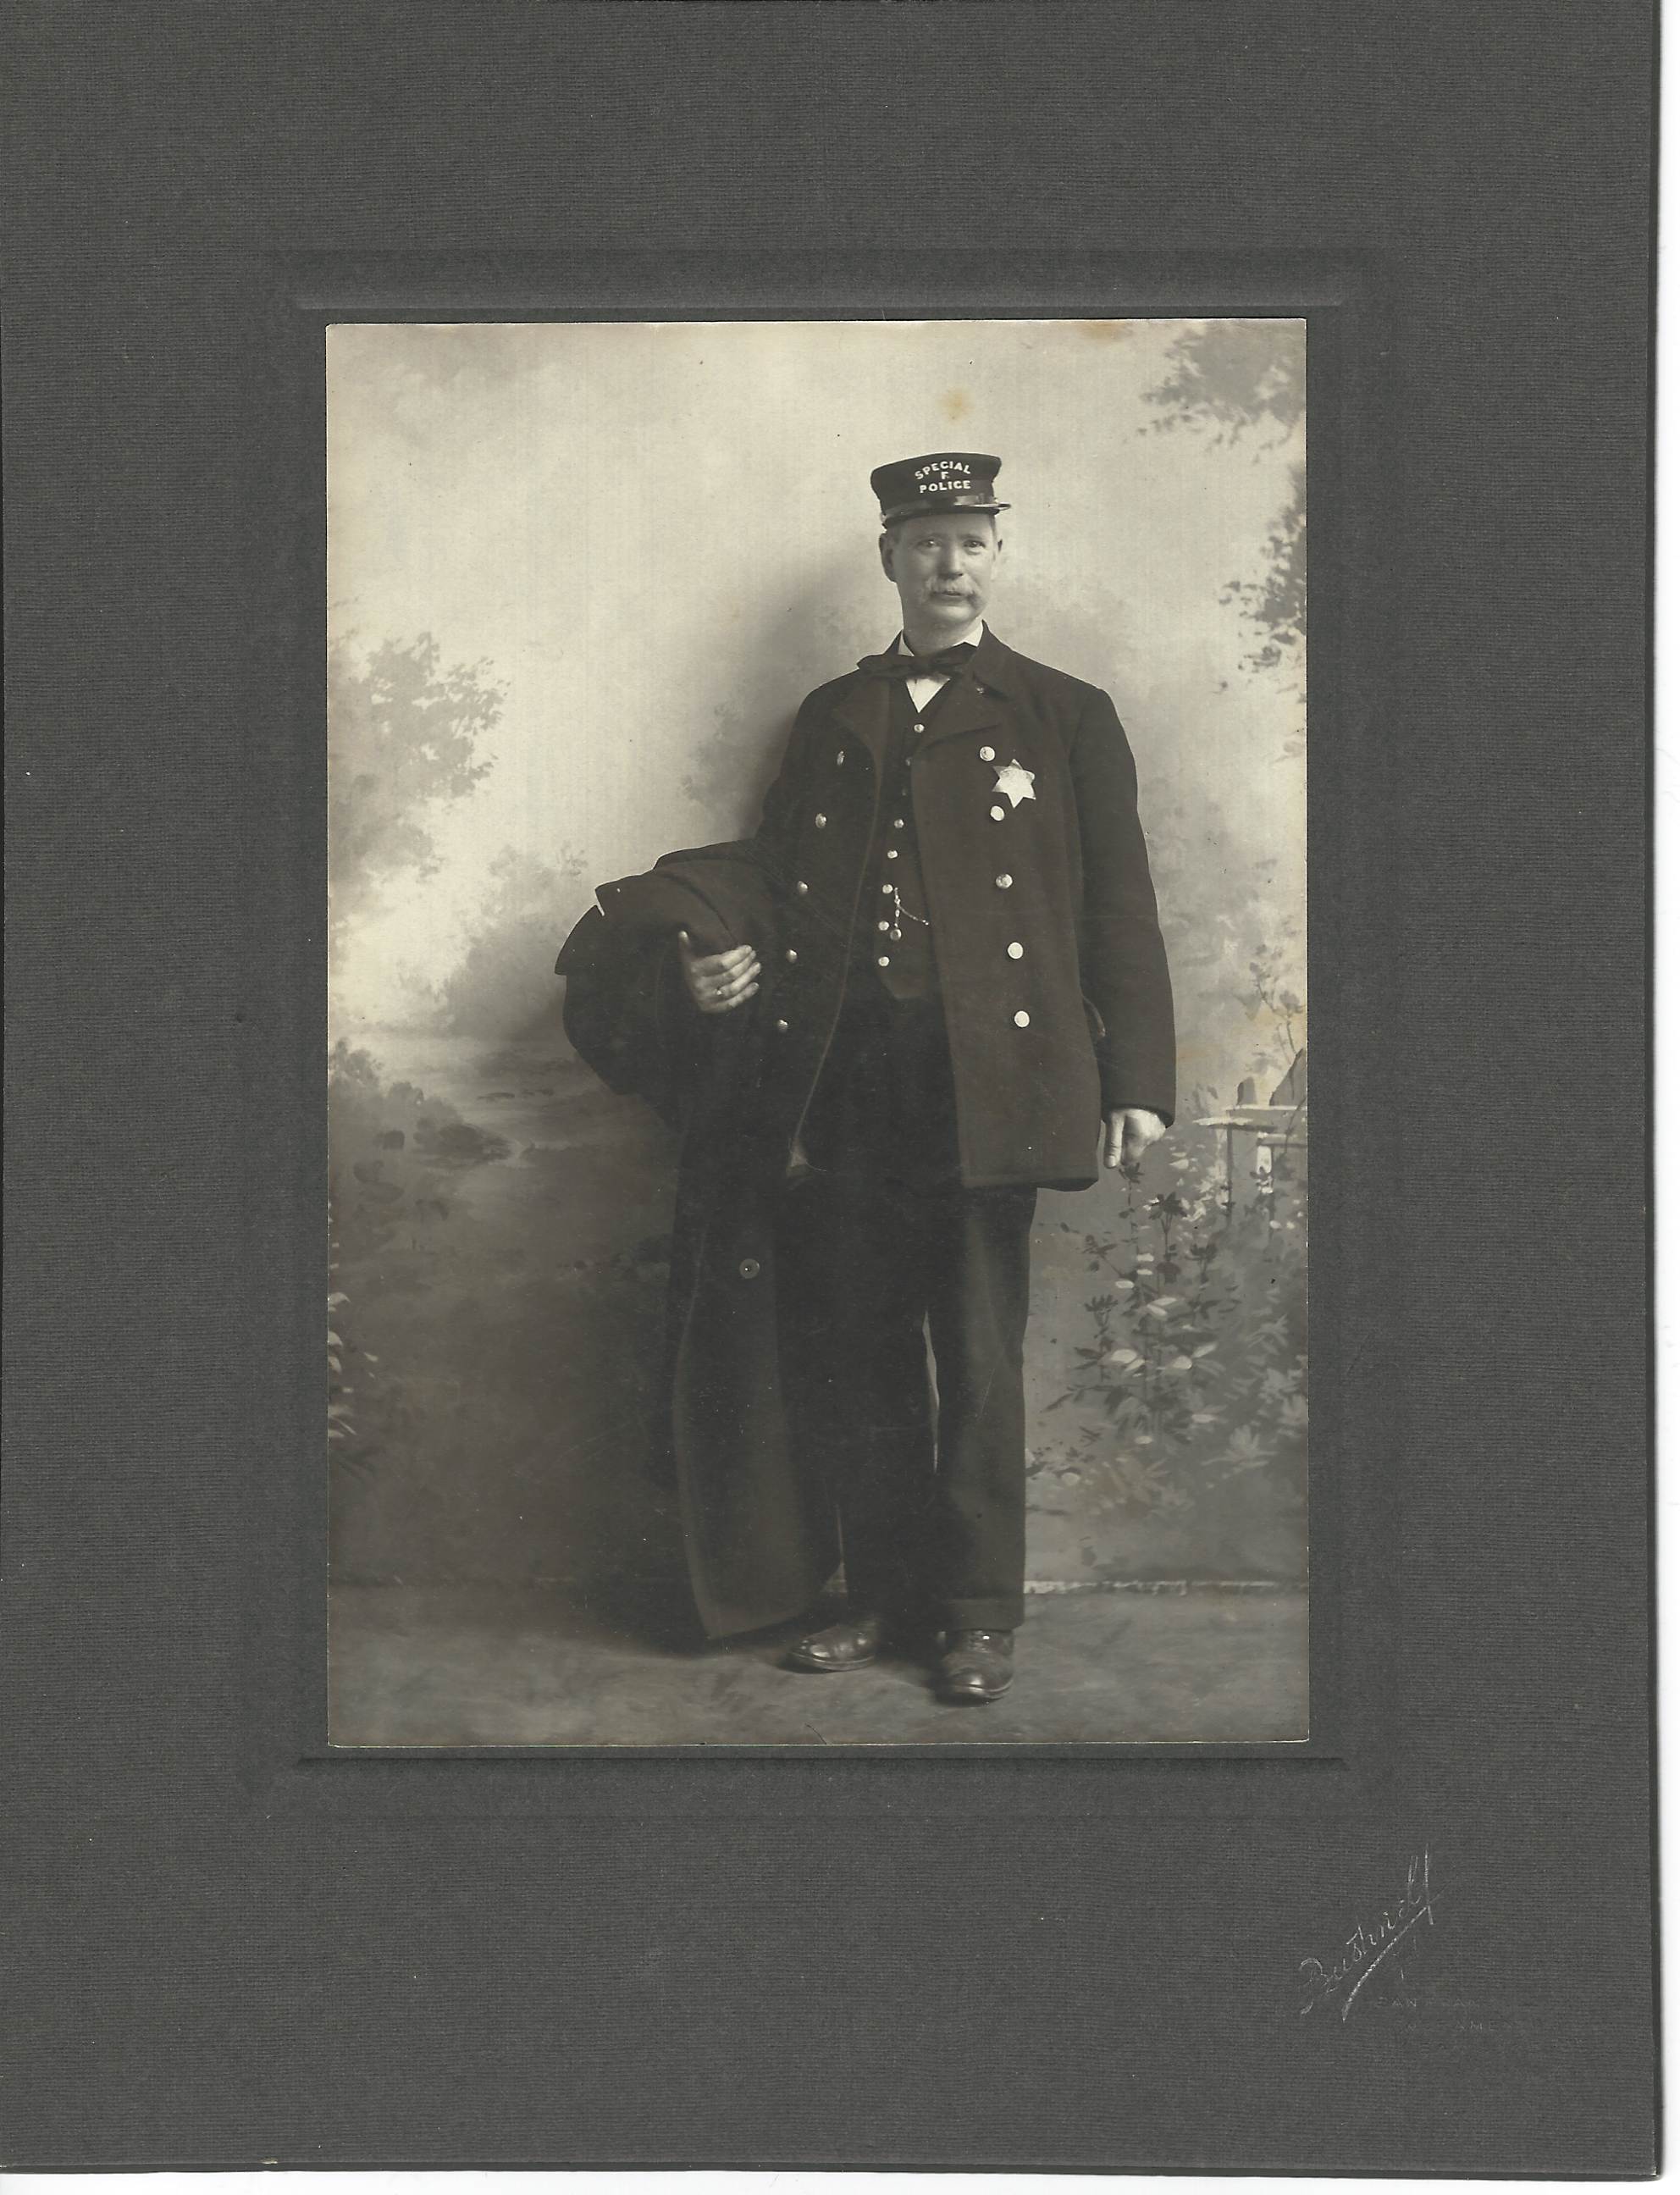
[(947, 480)]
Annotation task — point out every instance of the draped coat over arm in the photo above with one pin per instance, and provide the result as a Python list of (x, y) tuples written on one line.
[(760, 1536)]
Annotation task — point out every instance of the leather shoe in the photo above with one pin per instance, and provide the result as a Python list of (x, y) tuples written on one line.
[(853, 1643), (976, 1665)]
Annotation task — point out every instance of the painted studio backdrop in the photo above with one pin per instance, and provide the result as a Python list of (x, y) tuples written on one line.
[(580, 578)]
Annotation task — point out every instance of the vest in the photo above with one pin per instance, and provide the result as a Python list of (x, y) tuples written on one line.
[(893, 937)]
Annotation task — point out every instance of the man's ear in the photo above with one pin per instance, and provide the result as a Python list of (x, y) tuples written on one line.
[(885, 544)]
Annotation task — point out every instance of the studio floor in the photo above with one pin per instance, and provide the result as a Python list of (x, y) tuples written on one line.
[(414, 1665)]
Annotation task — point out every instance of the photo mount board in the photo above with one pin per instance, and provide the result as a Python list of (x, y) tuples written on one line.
[(235, 1947)]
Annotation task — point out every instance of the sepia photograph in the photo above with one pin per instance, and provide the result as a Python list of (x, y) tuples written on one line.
[(817, 1039)]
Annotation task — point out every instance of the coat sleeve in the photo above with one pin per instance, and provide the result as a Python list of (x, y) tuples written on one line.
[(1123, 967), (625, 1012), (772, 842)]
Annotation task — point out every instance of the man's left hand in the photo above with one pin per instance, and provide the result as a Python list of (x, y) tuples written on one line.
[(1128, 1134)]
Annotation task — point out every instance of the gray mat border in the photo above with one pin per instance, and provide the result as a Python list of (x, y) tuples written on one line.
[(231, 1952)]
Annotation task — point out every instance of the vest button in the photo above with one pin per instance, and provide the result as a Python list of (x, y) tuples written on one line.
[(1015, 950), (802, 887), (840, 757), (883, 960), (892, 853), (749, 1269), (820, 820), (791, 955), (781, 1029), (1023, 1019), (1004, 882)]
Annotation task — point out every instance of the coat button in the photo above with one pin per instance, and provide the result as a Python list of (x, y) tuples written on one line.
[(915, 730), (1005, 881), (839, 758), (749, 1269), (886, 888), (802, 887), (820, 820), (898, 823), (884, 925), (791, 955), (988, 754), (1023, 1019), (1015, 950), (892, 853), (883, 960), (997, 814), (781, 1029)]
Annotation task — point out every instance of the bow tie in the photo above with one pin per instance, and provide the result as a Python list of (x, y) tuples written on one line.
[(944, 664)]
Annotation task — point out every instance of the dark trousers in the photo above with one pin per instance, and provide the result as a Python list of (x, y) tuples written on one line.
[(881, 1249)]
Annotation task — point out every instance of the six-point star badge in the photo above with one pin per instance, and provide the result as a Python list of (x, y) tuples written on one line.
[(1014, 783)]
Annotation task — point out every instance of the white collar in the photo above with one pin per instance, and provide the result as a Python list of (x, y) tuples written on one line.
[(901, 646)]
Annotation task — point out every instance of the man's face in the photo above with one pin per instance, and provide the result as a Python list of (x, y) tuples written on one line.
[(942, 566)]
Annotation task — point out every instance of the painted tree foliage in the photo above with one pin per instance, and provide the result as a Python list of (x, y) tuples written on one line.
[(403, 730), (1277, 602), (504, 982), (1230, 378), (1227, 380), (1183, 1424)]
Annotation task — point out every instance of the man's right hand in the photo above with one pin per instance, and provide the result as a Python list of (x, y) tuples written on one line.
[(718, 982)]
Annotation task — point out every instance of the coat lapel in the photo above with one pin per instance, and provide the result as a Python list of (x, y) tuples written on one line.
[(966, 707), (974, 702), (862, 710)]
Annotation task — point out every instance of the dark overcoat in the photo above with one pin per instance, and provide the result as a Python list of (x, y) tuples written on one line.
[(1043, 1040), (758, 1529), (1051, 970)]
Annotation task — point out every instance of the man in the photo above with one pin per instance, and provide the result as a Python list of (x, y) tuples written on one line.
[(968, 983)]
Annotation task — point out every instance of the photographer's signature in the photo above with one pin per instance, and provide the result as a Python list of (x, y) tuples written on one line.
[(1366, 1948)]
